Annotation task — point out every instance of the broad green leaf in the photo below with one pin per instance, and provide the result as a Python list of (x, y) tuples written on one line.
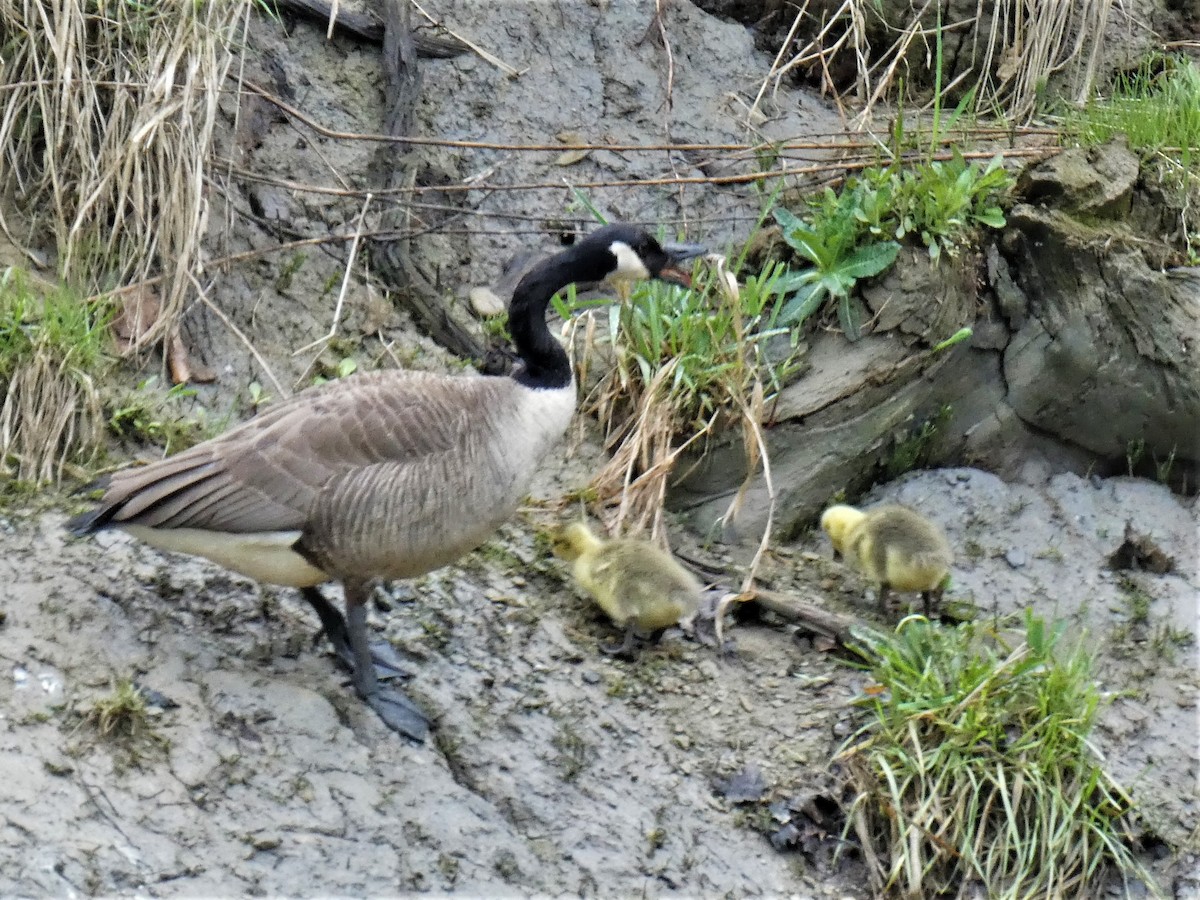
[(786, 218), (792, 281), (869, 260), (806, 301), (848, 319), (993, 217)]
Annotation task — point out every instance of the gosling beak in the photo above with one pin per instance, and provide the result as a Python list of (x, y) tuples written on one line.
[(678, 254)]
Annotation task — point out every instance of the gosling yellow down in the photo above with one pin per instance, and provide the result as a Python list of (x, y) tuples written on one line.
[(893, 546), (639, 586)]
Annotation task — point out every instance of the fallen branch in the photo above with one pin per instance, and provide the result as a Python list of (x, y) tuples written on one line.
[(808, 615), (392, 258), (367, 27)]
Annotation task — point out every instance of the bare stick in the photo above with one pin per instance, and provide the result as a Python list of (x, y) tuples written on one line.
[(745, 178), (337, 310), (333, 15), (494, 60), (787, 42)]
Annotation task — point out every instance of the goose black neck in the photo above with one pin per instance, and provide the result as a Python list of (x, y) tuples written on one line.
[(545, 361)]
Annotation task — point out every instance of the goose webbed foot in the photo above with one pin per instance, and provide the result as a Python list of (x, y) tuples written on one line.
[(397, 711), (387, 662)]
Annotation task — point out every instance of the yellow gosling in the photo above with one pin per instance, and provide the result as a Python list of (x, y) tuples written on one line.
[(893, 546), (639, 586)]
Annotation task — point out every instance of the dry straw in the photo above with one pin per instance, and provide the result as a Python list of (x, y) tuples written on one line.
[(1017, 46), (107, 114)]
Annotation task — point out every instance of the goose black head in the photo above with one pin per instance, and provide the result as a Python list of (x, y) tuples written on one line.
[(630, 254)]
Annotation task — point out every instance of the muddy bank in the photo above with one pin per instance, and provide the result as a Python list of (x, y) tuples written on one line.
[(555, 769)]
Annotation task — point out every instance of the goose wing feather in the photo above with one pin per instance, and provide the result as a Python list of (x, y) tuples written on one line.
[(267, 474)]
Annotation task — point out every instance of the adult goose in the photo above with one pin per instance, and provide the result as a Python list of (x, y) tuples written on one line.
[(382, 475)]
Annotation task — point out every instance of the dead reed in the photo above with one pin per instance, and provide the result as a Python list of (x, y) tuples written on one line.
[(1015, 48), (107, 112)]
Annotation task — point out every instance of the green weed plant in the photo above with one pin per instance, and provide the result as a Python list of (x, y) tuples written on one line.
[(52, 347), (855, 233)]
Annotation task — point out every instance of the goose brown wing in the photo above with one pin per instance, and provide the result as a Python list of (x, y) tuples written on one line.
[(266, 474)]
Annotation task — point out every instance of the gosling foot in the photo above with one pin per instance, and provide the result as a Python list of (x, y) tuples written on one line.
[(627, 649)]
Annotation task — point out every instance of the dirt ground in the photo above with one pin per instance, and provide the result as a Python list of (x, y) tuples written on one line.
[(555, 769)]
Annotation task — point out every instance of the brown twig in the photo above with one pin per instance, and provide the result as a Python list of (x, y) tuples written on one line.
[(341, 299), (483, 54), (710, 180), (240, 335)]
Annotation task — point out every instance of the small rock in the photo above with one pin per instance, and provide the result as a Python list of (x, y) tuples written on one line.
[(1016, 558), (744, 786), (785, 837), (485, 303)]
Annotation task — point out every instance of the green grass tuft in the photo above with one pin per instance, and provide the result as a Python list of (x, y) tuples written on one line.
[(974, 766), (1156, 108), (52, 347), (148, 414)]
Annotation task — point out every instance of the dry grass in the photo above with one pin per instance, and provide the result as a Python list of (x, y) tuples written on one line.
[(50, 346), (688, 367), (51, 416), (1024, 44), (107, 111)]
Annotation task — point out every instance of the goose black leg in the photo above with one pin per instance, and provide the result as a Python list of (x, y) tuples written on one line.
[(333, 625), (397, 711)]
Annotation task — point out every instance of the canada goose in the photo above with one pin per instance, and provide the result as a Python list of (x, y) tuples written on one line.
[(380, 475), (895, 547), (640, 587)]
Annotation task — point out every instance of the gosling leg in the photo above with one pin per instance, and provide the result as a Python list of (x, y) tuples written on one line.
[(397, 711), (386, 660), (884, 593), (932, 598)]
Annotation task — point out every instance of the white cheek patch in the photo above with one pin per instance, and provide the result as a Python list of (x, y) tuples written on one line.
[(629, 264)]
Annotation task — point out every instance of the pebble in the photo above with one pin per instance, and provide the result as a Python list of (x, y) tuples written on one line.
[(709, 669), (1016, 558), (484, 302)]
